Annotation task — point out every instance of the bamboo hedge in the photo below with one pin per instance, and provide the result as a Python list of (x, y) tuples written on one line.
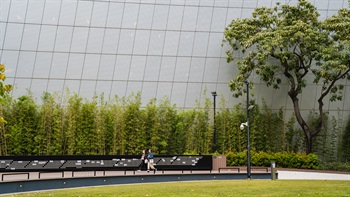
[(73, 125)]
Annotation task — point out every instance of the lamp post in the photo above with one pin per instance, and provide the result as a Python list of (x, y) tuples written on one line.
[(248, 133), (214, 95)]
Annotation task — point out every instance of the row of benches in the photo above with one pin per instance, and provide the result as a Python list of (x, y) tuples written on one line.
[(238, 169)]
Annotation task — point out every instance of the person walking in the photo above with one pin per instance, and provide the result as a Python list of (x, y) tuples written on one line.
[(150, 165), (143, 161)]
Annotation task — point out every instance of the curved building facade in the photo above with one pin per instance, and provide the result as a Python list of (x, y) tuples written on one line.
[(160, 48)]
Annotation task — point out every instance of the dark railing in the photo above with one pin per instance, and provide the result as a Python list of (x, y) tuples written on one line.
[(101, 163)]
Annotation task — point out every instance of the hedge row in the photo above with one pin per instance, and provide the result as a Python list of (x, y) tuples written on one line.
[(282, 160), (335, 166)]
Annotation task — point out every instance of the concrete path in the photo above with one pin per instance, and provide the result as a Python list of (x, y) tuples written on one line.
[(298, 175)]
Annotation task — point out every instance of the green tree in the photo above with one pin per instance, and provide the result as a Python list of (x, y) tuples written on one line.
[(133, 125), (188, 121), (203, 131), (167, 118), (4, 91), (293, 137), (230, 137), (150, 136), (177, 138), (73, 124), (103, 126), (23, 129), (290, 42), (224, 125), (117, 113), (51, 125), (86, 134)]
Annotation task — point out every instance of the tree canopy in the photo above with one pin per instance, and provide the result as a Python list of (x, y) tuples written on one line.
[(4, 91), (289, 42), (4, 88)]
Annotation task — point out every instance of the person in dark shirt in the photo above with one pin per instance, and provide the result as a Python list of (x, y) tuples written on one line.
[(150, 165)]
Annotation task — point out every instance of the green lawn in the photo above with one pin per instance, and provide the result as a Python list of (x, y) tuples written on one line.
[(212, 188)]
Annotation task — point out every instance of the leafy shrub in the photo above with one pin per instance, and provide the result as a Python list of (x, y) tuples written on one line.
[(282, 160), (236, 159), (336, 166)]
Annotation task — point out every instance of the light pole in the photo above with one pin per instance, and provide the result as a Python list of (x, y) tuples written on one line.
[(214, 95), (248, 133)]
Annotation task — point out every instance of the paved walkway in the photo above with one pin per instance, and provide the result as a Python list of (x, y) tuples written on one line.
[(301, 175)]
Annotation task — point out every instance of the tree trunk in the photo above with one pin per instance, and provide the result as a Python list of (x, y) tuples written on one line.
[(308, 140), (301, 121)]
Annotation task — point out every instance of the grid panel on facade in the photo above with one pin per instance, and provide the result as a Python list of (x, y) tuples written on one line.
[(193, 91), (118, 88), (103, 88), (111, 41), (130, 15), (160, 48), (91, 68), (167, 69), (200, 45), (178, 94), (59, 65), (137, 68), (95, 40), (164, 90), (84, 11), (55, 86), (267, 4), (175, 17), (18, 11), (4, 10), (133, 87), (99, 14), (160, 17), (35, 11), (13, 36), (107, 65), (42, 70), (182, 69), (142, 42), (73, 84), (186, 43), (68, 12), (36, 86), (47, 38), (51, 12), (126, 41), (31, 37), (171, 43), (25, 64), (75, 66), (145, 16), (87, 88), (149, 90), (122, 67), (152, 68), (156, 43), (211, 70)]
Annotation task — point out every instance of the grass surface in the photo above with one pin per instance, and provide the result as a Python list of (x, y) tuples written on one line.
[(211, 188)]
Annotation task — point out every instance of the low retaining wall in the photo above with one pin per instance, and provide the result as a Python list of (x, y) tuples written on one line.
[(65, 183)]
